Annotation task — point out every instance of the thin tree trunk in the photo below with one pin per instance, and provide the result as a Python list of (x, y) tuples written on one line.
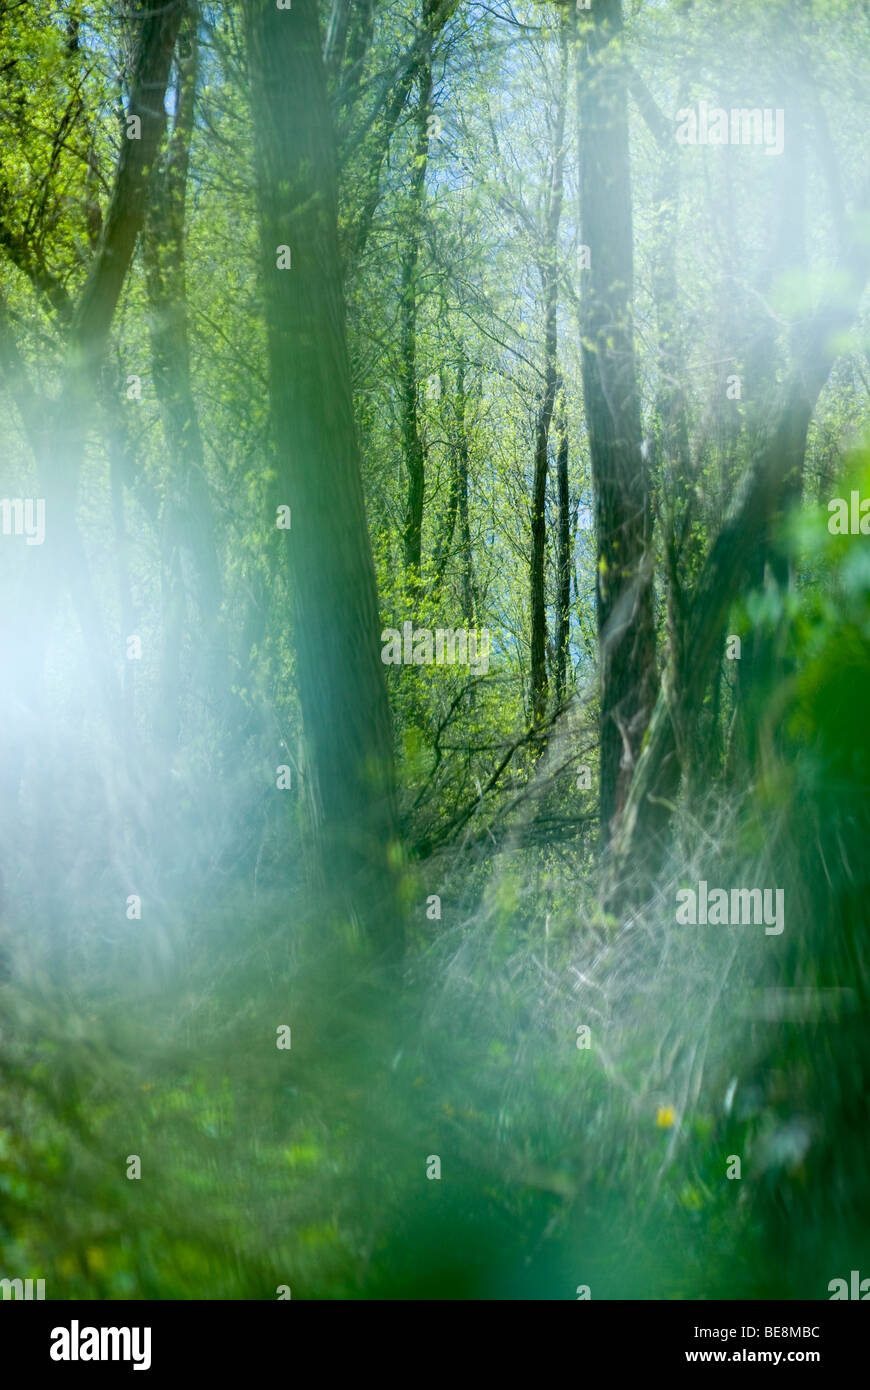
[(469, 592), (458, 501), (335, 40), (673, 451), (387, 113), (563, 555), (412, 444), (539, 522), (444, 546), (549, 270)]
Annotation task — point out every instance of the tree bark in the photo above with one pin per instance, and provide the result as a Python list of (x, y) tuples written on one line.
[(339, 674), (637, 851), (563, 555), (469, 590), (190, 568), (787, 254), (58, 436), (624, 584), (549, 271), (412, 444)]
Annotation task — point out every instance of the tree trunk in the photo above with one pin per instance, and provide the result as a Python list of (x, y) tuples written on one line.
[(412, 444), (563, 556), (340, 680), (624, 575), (190, 569), (58, 429), (469, 592), (787, 255), (637, 851), (549, 271)]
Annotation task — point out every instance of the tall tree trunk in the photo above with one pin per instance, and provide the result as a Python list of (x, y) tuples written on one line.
[(348, 39), (58, 429), (412, 444), (787, 255), (469, 592), (549, 271), (335, 40), (458, 500), (563, 554), (190, 569), (539, 521), (624, 573), (340, 679), (673, 456), (727, 571)]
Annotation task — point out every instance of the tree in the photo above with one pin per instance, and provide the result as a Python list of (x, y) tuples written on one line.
[(727, 570), (624, 572), (549, 272), (58, 429), (334, 609), (412, 444), (187, 523)]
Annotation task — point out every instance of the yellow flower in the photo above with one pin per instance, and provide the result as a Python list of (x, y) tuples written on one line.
[(664, 1117)]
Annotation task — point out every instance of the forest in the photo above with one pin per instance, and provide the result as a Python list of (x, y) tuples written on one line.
[(434, 648)]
